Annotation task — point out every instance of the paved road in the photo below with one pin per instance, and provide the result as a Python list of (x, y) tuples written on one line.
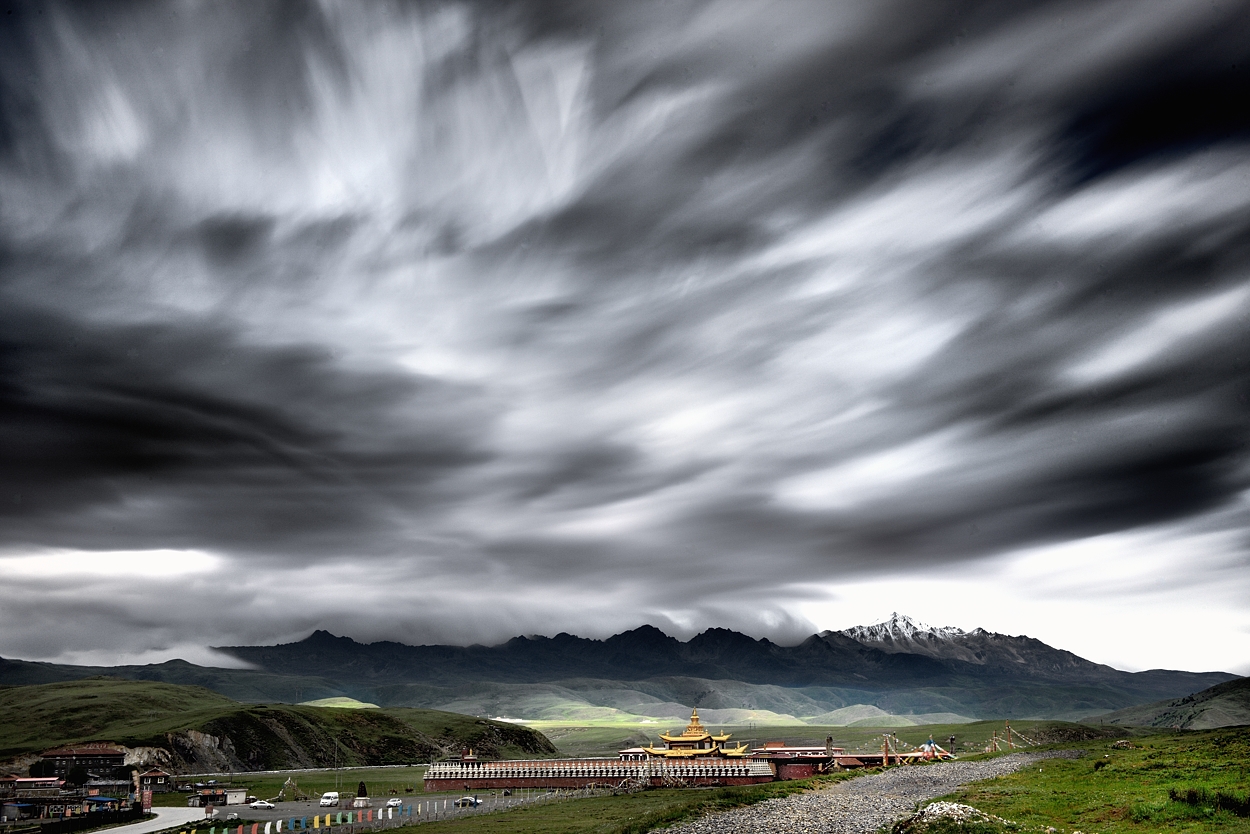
[(162, 818)]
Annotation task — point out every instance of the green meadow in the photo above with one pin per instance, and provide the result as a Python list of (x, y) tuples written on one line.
[(1167, 781)]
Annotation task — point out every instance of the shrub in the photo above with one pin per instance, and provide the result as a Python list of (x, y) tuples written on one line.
[(1215, 800)]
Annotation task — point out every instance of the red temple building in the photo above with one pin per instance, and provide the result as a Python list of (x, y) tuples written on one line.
[(695, 757)]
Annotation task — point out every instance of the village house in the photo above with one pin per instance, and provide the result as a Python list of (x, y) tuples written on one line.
[(156, 781)]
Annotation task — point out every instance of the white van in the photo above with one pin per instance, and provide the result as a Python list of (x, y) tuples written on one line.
[(330, 799)]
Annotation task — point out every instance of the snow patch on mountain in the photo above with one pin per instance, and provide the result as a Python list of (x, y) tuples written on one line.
[(901, 634), (900, 627)]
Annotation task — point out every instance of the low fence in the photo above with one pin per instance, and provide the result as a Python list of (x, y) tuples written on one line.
[(576, 773)]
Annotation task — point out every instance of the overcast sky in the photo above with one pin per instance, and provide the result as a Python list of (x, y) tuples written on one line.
[(451, 322)]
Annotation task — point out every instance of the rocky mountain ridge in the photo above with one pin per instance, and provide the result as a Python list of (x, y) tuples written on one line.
[(902, 635), (898, 667), (907, 665)]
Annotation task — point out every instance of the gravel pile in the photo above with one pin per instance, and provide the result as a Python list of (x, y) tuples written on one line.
[(863, 805), (940, 811)]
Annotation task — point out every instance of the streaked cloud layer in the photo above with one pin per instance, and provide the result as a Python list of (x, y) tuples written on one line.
[(448, 322)]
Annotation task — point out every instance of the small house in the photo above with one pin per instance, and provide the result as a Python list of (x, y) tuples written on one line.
[(156, 781), (34, 787)]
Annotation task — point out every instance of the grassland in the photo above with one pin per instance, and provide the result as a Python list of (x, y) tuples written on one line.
[(1114, 790)]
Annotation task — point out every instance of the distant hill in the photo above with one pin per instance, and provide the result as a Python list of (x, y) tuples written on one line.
[(244, 685), (340, 702), (899, 666), (899, 669), (1223, 705), (188, 728), (831, 659)]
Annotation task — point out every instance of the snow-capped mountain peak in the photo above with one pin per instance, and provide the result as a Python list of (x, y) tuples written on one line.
[(900, 627)]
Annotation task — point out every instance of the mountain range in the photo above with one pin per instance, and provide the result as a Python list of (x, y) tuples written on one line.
[(898, 671)]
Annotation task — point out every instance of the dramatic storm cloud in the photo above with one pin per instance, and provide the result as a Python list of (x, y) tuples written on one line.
[(444, 322)]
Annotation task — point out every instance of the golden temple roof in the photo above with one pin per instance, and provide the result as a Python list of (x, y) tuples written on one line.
[(695, 731), (683, 752), (715, 751)]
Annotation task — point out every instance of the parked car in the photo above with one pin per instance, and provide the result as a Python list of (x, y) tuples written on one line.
[(329, 799), (262, 805), (468, 802), (394, 802), (232, 816)]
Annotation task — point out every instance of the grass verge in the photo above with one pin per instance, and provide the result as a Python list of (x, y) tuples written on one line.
[(1167, 781)]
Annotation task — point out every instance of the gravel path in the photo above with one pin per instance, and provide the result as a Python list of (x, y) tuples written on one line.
[(859, 806)]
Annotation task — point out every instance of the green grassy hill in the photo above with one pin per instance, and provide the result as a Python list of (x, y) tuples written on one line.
[(1225, 705), (191, 728), (246, 685), (34, 718)]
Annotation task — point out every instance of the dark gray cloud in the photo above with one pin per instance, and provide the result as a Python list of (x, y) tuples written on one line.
[(676, 312), (178, 434)]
